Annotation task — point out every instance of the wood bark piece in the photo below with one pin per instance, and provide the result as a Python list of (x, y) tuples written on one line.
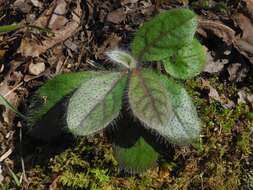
[(218, 28), (61, 27), (244, 42)]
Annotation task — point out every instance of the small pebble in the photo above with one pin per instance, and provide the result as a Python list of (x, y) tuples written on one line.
[(36, 69)]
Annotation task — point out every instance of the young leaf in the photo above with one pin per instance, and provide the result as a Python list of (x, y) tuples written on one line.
[(187, 62), (122, 58), (137, 158), (149, 99), (52, 92), (96, 103), (184, 127), (165, 33)]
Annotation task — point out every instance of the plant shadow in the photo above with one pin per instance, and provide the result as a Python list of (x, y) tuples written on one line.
[(50, 137), (129, 130), (45, 140)]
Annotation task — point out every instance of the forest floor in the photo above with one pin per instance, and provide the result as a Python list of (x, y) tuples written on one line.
[(223, 95)]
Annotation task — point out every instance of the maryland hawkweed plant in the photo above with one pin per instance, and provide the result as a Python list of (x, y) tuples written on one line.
[(156, 100)]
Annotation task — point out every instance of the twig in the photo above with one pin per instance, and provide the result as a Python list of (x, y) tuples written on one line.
[(12, 90), (21, 156), (6, 155)]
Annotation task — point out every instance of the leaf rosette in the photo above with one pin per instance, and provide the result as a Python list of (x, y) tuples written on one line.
[(158, 102)]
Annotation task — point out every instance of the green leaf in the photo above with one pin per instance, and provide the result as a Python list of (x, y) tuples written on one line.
[(187, 62), (137, 158), (7, 104), (185, 126), (165, 33), (121, 57), (149, 99), (96, 103), (52, 92), (9, 28)]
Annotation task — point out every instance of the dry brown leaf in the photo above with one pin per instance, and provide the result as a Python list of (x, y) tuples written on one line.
[(1, 174), (110, 43), (124, 2), (219, 29), (37, 3), (213, 94), (214, 66), (22, 5), (10, 94), (244, 43), (212, 91), (6, 155), (37, 68), (2, 52), (54, 19), (249, 3), (54, 185), (184, 2), (72, 46), (237, 72), (1, 67), (116, 16), (1, 2), (245, 96), (249, 7)]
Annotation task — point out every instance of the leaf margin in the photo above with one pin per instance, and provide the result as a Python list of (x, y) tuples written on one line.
[(46, 96), (138, 41), (189, 71), (132, 96), (123, 165), (175, 94), (77, 130)]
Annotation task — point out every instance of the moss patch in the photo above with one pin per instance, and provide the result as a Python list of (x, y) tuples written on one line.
[(220, 160)]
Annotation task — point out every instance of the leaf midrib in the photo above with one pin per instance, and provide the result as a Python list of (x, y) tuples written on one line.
[(103, 99), (148, 94), (161, 35)]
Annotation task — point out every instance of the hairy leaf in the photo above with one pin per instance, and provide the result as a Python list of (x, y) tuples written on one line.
[(122, 57), (149, 99), (184, 127), (137, 158), (165, 33), (52, 92), (96, 103), (187, 62)]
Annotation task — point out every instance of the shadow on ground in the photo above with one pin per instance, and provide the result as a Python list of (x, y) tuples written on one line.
[(50, 137)]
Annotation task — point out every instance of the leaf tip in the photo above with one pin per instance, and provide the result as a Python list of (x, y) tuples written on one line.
[(121, 57)]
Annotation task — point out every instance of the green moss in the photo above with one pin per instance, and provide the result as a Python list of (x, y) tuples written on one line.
[(74, 180), (38, 178), (221, 160), (244, 140), (91, 179)]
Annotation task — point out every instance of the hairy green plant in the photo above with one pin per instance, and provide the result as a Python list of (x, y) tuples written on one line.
[(162, 105)]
